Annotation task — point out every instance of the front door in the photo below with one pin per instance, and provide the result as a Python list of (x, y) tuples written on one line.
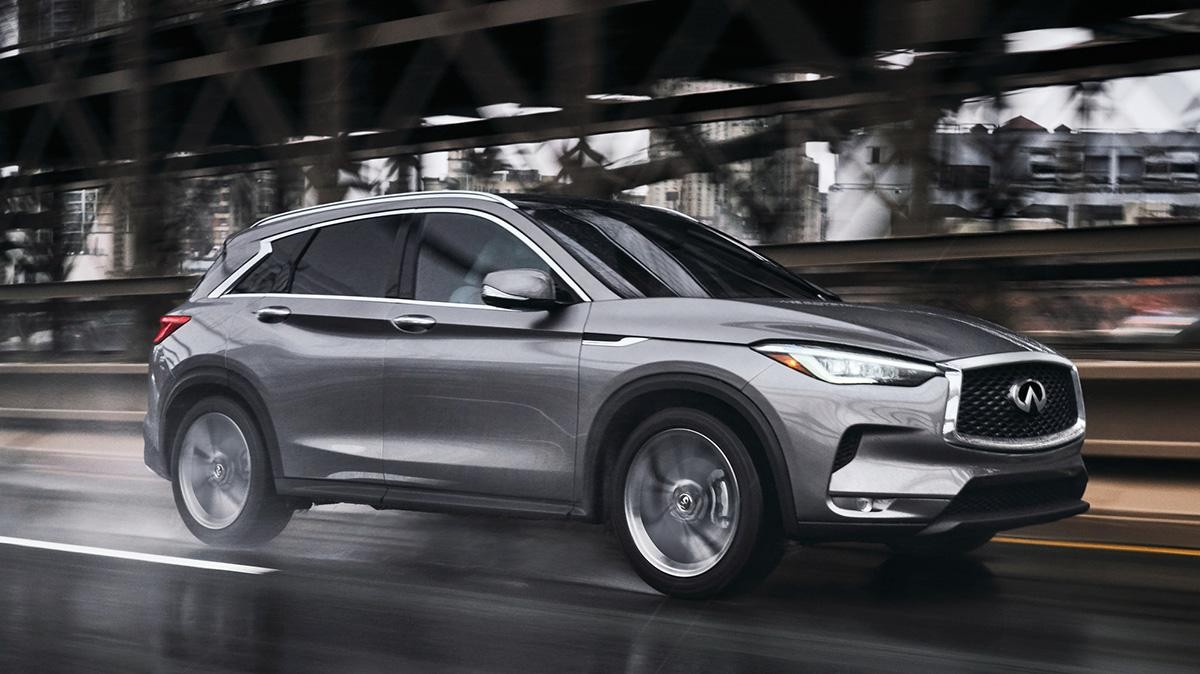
[(479, 401)]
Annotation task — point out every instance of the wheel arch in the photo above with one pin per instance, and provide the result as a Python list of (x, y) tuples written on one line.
[(207, 381), (638, 399)]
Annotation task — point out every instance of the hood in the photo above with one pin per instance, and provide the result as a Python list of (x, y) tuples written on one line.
[(911, 331)]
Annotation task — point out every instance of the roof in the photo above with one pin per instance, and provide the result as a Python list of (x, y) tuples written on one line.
[(1022, 123), (387, 198)]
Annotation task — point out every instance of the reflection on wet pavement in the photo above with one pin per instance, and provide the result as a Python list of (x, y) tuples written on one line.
[(360, 590)]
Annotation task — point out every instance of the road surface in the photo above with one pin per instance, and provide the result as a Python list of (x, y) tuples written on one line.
[(349, 589)]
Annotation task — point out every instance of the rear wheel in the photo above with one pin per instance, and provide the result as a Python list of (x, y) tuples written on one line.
[(687, 504), (222, 477), (944, 545)]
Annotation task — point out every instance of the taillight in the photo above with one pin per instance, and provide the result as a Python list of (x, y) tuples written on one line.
[(167, 325)]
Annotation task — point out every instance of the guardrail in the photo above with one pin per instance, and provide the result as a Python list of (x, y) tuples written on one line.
[(1140, 409), (1146, 245), (110, 319), (1136, 409), (98, 289)]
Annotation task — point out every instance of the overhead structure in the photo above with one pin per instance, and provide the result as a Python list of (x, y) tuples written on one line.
[(142, 89)]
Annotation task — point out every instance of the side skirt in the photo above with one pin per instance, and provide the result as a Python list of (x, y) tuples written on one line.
[(383, 496)]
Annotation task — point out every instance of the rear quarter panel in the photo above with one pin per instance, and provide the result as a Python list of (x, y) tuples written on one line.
[(200, 343)]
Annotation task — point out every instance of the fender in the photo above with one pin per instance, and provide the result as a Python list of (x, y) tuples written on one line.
[(595, 456), (213, 375)]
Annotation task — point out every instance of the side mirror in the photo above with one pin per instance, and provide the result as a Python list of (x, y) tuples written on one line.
[(519, 289)]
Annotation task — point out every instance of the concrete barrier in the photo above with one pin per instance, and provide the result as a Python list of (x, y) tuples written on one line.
[(111, 392)]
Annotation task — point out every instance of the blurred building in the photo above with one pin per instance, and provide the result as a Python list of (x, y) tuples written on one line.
[(787, 185), (783, 183), (1019, 175), (704, 196), (39, 20), (9, 26), (483, 170), (213, 208)]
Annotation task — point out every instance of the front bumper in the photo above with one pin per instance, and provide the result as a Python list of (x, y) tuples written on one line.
[(988, 503), (996, 503), (874, 463)]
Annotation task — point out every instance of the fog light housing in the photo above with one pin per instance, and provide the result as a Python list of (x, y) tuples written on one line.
[(863, 504)]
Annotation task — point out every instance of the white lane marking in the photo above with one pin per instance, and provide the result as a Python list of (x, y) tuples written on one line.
[(136, 556), (108, 476)]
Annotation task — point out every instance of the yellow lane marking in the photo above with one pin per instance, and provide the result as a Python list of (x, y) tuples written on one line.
[(1183, 519), (1148, 549)]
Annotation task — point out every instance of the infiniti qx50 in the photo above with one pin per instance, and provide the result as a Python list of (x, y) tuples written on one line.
[(558, 357)]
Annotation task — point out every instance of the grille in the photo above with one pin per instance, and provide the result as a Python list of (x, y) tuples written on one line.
[(996, 499), (984, 409)]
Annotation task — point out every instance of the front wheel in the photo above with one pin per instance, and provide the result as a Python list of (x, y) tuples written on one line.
[(687, 504), (222, 483)]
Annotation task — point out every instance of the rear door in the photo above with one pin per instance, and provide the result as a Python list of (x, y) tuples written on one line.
[(314, 343), (478, 400)]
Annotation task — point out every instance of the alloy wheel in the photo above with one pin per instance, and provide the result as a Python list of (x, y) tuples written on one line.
[(681, 502), (214, 470)]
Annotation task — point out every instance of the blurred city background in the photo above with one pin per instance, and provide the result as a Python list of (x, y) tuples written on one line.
[(1059, 140), (1036, 164), (1033, 163)]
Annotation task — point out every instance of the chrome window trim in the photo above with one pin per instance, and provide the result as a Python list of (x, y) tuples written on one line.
[(264, 249), (357, 298), (433, 194), (953, 371)]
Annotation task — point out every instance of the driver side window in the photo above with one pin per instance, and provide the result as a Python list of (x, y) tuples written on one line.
[(457, 251)]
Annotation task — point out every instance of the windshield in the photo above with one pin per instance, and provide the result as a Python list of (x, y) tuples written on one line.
[(644, 252)]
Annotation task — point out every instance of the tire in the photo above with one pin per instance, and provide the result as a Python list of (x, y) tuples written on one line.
[(688, 507), (944, 545), (222, 479)]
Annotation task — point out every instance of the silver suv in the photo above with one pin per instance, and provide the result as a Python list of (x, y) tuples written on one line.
[(554, 357)]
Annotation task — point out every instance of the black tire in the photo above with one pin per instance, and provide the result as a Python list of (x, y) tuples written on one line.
[(944, 545), (757, 542), (264, 513)]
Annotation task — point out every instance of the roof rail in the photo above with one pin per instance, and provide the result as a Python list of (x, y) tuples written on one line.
[(670, 210), (431, 194)]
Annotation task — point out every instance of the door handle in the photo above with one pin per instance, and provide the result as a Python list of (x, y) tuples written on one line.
[(273, 314), (414, 323)]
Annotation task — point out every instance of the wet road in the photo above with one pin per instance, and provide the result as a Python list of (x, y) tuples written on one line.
[(351, 589)]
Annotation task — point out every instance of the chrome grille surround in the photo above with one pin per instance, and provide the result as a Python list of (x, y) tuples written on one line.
[(954, 376)]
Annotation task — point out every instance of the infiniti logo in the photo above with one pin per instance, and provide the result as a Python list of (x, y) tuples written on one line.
[(1029, 396)]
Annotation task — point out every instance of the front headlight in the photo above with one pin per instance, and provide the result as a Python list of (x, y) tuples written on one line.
[(848, 367)]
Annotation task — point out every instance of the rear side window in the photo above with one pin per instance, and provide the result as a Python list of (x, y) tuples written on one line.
[(355, 259), (274, 273)]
